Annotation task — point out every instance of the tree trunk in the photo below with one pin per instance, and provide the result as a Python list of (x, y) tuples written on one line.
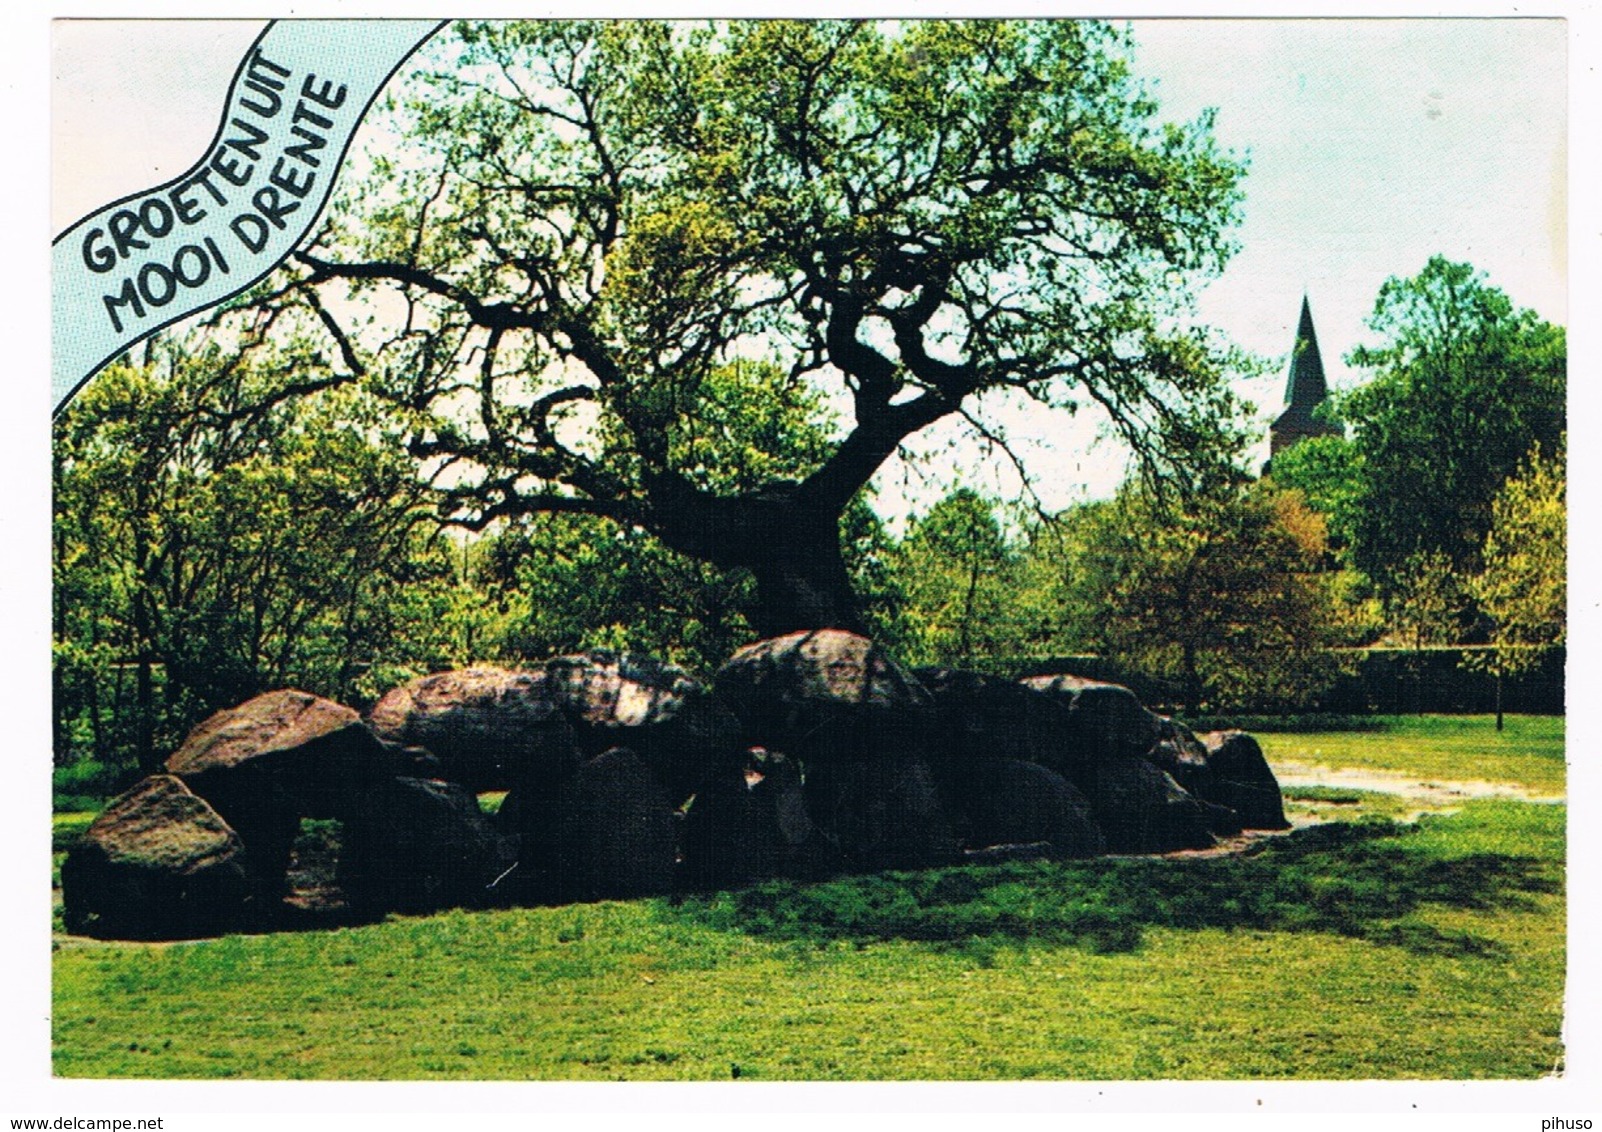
[(965, 632), (790, 545), (143, 640), (803, 585), (1193, 681), (1499, 693), (145, 716)]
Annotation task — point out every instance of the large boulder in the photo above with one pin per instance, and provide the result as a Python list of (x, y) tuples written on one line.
[(1180, 754), (754, 824), (307, 746), (805, 851), (158, 863), (825, 695), (1105, 722), (489, 728), (418, 845), (532, 820), (1142, 810), (1221, 820), (1019, 802), (862, 728), (494, 729), (882, 810), (982, 720), (730, 835), (657, 710), (615, 831), (1243, 780), (275, 759)]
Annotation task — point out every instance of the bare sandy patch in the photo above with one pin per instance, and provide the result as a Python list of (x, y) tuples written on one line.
[(1431, 794)]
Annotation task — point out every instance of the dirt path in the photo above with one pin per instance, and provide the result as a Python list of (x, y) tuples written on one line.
[(1430, 796), (1427, 791)]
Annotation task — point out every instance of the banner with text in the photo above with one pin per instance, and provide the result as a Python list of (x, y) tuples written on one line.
[(152, 258)]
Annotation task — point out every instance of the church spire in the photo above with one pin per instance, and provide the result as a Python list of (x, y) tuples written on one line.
[(1305, 390)]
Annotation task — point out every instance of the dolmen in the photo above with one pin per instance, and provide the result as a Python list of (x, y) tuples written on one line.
[(618, 776)]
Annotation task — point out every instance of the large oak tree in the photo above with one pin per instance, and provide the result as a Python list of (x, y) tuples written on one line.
[(571, 228)]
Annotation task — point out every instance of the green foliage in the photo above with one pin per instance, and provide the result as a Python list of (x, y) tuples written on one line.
[(568, 583), (83, 782), (1464, 385), (1221, 593), (1523, 587), (67, 826), (213, 540), (207, 547), (1329, 474), (869, 550), (601, 221), (975, 583), (958, 573), (562, 582), (1427, 604), (751, 424)]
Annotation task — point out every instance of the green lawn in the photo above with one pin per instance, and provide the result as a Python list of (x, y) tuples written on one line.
[(1361, 949), (1528, 752)]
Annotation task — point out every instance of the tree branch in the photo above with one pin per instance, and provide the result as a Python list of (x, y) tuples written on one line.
[(488, 315), (861, 453)]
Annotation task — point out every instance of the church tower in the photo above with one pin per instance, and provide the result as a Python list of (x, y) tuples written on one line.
[(1304, 391)]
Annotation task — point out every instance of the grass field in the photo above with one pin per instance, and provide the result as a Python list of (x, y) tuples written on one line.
[(1528, 752), (1363, 948)]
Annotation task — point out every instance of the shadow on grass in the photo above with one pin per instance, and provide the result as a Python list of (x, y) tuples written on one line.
[(1361, 880)]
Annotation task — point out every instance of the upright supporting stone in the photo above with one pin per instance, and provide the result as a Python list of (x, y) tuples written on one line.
[(419, 845), (1020, 803), (616, 830), (1243, 780), (158, 863)]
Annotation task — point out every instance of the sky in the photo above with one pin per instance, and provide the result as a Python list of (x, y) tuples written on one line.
[(1372, 144)]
